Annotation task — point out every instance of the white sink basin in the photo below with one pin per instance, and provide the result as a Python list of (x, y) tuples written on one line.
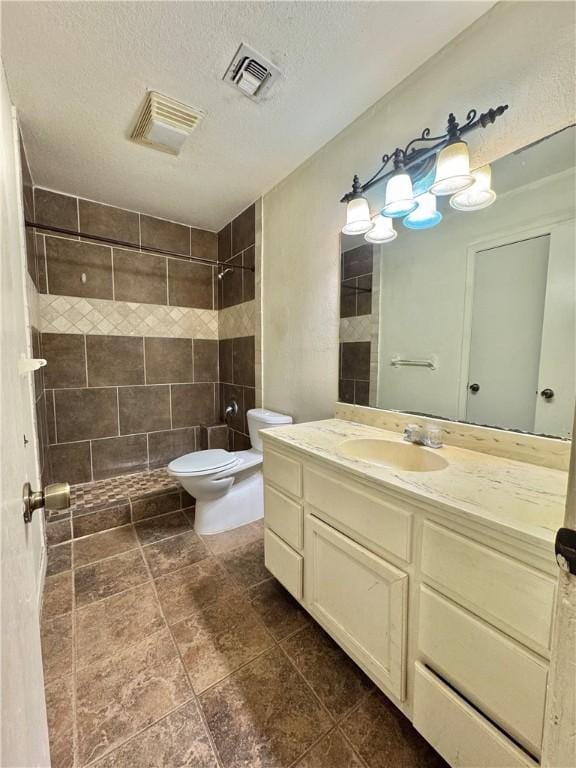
[(403, 456)]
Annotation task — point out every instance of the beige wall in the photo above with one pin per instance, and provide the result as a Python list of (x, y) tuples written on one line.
[(519, 53)]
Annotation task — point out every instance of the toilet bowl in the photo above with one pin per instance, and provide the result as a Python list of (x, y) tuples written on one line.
[(227, 485)]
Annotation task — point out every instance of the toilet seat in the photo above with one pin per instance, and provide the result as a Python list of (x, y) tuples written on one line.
[(203, 463)]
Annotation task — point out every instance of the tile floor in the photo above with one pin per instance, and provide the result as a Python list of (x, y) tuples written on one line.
[(163, 650)]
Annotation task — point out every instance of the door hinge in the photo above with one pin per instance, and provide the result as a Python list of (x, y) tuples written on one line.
[(565, 548)]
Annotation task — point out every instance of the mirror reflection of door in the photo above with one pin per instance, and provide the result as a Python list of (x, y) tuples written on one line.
[(558, 354), (510, 309)]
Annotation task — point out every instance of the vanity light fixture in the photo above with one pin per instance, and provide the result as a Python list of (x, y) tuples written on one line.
[(358, 220), (383, 230), (399, 194), (425, 216), (452, 170), (480, 195), (446, 158)]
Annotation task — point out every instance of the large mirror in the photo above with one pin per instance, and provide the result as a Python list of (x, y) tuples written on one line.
[(475, 319)]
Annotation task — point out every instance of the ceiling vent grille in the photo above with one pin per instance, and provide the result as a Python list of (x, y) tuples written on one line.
[(251, 73), (164, 123)]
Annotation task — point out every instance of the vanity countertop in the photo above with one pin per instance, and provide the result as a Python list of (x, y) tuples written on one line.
[(524, 499)]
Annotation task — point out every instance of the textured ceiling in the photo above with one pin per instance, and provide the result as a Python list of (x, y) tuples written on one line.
[(78, 72)]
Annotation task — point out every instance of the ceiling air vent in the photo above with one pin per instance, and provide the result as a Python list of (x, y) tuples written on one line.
[(250, 72), (164, 123)]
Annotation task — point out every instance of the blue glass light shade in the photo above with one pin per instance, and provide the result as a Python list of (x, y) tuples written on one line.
[(425, 216)]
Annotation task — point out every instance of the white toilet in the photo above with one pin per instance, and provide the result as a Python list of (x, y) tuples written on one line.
[(227, 485)]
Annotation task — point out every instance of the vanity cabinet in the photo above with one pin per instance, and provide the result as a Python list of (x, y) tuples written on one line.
[(451, 621)]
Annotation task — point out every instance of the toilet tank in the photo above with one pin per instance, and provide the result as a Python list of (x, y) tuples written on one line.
[(260, 418)]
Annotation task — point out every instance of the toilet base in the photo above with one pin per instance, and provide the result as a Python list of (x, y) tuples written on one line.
[(243, 504)]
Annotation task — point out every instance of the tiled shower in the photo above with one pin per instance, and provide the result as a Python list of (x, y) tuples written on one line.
[(143, 350)]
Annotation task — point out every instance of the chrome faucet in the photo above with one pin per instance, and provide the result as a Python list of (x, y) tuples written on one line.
[(429, 435)]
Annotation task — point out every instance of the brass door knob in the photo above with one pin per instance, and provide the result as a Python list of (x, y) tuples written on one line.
[(55, 496)]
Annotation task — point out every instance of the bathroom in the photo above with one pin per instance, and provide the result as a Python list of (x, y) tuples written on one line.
[(288, 355)]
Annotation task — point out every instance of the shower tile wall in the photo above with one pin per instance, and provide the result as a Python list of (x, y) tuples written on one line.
[(355, 311), (239, 303), (132, 338), (123, 404), (121, 396)]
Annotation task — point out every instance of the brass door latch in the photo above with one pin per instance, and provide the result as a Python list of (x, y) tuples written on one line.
[(55, 496)]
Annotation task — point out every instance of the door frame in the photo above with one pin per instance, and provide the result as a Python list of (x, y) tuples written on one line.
[(503, 237)]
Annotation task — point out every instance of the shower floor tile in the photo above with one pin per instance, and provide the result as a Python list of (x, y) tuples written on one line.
[(153, 662)]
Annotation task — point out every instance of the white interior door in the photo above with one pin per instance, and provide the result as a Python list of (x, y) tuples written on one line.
[(24, 735), (507, 317), (558, 356)]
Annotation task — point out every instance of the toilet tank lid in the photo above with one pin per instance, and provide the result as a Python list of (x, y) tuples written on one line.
[(264, 416)]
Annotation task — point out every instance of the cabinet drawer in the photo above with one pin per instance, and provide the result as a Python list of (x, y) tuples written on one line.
[(504, 680), (461, 735), (283, 563), (507, 593), (284, 472), (361, 600), (284, 516), (380, 524)]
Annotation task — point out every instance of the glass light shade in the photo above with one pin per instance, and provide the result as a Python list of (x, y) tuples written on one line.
[(399, 196), (383, 230), (452, 170), (479, 195), (358, 219), (425, 216)]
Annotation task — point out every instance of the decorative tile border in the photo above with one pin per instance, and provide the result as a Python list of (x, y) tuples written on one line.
[(93, 496), (239, 320), (71, 314), (356, 328)]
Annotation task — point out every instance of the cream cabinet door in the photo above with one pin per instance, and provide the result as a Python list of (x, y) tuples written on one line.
[(360, 599)]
